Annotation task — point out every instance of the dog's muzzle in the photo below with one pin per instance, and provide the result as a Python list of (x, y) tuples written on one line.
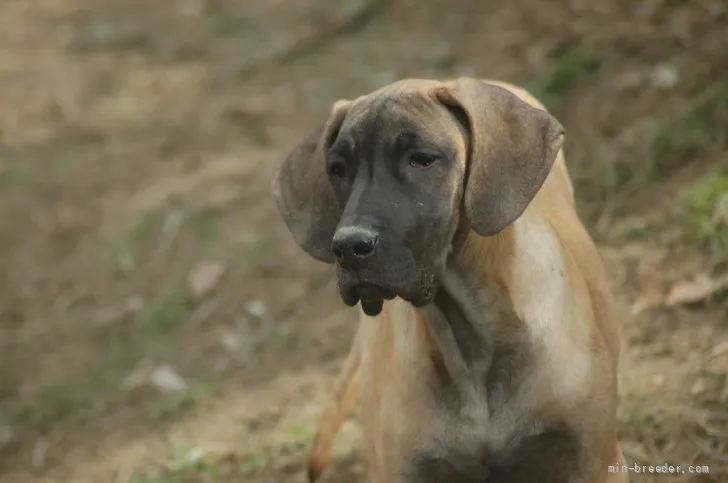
[(353, 245), (372, 268)]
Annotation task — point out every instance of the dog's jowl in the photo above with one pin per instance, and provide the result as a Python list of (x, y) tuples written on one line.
[(488, 343)]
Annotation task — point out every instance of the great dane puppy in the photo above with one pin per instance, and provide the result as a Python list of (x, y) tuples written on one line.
[(488, 343)]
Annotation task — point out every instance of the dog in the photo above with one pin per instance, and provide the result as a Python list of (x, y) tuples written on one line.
[(488, 345)]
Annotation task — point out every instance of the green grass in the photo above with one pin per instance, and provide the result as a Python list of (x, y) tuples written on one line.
[(569, 70), (302, 432), (698, 127), (706, 216), (166, 313), (255, 249), (255, 461), (688, 138), (206, 227), (259, 458), (186, 464), (10, 178), (76, 395), (664, 143), (175, 405), (138, 240), (638, 419), (716, 385)]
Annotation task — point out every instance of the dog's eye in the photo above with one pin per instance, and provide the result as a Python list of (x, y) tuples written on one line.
[(421, 160), (337, 170)]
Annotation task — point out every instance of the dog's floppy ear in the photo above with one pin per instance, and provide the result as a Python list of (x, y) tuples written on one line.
[(302, 191), (512, 148)]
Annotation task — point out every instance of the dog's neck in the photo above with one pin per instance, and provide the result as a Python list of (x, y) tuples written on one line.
[(475, 280), (473, 329), (456, 321)]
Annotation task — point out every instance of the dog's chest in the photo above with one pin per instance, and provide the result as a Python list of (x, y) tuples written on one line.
[(417, 426), (394, 409)]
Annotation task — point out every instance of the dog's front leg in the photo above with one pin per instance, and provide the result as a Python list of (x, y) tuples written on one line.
[(338, 409)]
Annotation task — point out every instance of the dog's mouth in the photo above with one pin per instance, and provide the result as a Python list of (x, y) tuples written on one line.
[(371, 296), (400, 277)]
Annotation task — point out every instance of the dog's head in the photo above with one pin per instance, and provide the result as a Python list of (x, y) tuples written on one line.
[(378, 188)]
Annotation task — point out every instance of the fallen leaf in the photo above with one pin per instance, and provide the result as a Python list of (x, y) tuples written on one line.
[(39, 453), (166, 379), (690, 292), (665, 76), (644, 304), (659, 380), (718, 350), (138, 376), (256, 308), (230, 341), (7, 435), (195, 454), (634, 451), (698, 387), (204, 278)]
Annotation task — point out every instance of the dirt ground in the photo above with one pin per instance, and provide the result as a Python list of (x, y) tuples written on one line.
[(159, 325)]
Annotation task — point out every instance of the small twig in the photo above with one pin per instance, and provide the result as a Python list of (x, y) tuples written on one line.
[(718, 350), (203, 313), (607, 215), (171, 229), (709, 430), (710, 453), (669, 447), (634, 455), (696, 455), (657, 455)]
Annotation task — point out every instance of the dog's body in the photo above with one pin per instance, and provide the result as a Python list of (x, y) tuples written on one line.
[(506, 372)]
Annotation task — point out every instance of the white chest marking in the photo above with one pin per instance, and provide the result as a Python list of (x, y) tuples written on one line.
[(555, 318)]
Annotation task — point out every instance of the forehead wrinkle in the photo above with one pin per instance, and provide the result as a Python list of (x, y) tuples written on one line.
[(382, 117), (419, 116), (406, 110)]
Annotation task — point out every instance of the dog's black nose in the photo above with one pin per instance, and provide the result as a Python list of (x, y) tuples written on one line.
[(352, 243)]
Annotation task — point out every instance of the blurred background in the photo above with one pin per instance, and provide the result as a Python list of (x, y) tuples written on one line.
[(159, 325)]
